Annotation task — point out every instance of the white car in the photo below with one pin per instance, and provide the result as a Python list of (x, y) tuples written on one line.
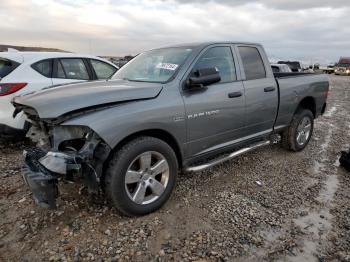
[(26, 72), (280, 68)]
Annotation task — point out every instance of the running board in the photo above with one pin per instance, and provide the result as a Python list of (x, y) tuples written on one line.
[(228, 157)]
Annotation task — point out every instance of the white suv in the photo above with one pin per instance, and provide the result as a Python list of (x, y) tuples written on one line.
[(25, 72)]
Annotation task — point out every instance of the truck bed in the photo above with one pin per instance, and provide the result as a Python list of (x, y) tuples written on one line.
[(290, 74), (296, 85)]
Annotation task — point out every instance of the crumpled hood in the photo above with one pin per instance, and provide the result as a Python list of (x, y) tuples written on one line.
[(57, 101)]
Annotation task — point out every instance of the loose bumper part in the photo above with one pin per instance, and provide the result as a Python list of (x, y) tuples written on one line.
[(42, 183)]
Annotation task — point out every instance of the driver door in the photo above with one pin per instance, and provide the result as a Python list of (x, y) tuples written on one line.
[(215, 114)]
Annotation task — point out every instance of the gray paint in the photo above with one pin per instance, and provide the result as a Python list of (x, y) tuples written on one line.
[(172, 108), (294, 89), (56, 101)]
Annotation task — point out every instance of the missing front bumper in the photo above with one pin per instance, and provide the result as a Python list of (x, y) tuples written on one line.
[(43, 169), (44, 187), (42, 183)]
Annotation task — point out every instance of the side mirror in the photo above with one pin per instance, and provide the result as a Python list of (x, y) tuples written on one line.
[(203, 77)]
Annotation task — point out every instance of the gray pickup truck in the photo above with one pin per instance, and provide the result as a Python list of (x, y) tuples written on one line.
[(180, 108)]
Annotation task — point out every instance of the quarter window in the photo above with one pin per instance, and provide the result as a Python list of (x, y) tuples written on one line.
[(252, 63), (102, 69), (73, 68), (43, 67), (221, 59), (7, 66)]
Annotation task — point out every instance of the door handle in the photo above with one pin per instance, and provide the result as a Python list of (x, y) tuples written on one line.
[(234, 94), (269, 89)]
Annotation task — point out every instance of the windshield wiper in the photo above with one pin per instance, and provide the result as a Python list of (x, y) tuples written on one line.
[(139, 80), (132, 80)]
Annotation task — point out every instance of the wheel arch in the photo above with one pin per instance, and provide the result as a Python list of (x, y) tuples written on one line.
[(308, 102), (156, 133)]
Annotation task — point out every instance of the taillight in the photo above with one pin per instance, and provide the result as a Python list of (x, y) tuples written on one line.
[(9, 88)]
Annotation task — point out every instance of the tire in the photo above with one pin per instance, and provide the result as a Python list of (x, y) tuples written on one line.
[(290, 138), (131, 175)]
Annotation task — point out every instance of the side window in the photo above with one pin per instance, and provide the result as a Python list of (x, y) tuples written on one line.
[(73, 68), (252, 63), (102, 69), (43, 67), (220, 58), (7, 66)]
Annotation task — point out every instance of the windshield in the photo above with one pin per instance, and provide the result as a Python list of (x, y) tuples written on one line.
[(343, 65), (154, 66)]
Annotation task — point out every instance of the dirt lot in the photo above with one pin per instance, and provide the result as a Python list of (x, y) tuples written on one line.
[(299, 211)]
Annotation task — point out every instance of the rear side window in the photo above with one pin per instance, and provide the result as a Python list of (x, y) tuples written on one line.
[(102, 69), (43, 67), (221, 59), (73, 68), (252, 63), (7, 66)]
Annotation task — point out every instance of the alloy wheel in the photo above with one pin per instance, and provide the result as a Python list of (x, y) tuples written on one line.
[(303, 131), (147, 177)]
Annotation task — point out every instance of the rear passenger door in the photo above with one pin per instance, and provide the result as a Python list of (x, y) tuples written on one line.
[(70, 70), (261, 91), (215, 114)]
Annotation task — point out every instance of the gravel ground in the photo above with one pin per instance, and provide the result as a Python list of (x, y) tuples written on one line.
[(266, 205)]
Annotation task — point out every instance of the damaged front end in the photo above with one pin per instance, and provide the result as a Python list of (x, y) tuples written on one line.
[(63, 153)]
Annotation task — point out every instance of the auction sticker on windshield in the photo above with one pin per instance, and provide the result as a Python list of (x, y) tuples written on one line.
[(167, 66)]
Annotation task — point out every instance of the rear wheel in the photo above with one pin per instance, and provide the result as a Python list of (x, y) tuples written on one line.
[(141, 176), (299, 133)]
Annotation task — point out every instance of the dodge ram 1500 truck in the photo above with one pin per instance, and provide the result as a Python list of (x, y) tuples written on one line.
[(185, 107)]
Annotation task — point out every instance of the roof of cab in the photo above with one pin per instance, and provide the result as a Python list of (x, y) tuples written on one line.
[(204, 44)]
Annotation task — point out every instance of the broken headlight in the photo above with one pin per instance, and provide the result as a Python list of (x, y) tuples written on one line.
[(71, 138)]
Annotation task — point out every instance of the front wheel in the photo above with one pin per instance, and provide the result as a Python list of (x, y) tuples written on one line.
[(141, 176), (299, 133)]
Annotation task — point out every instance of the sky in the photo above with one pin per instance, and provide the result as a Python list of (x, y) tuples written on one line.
[(308, 30)]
